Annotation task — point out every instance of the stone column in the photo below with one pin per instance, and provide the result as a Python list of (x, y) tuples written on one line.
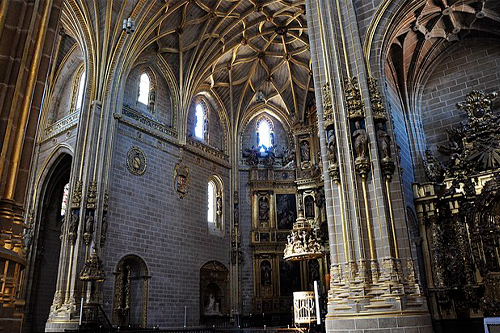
[(27, 35), (368, 236)]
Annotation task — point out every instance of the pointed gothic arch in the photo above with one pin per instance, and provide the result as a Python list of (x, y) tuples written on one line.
[(43, 239)]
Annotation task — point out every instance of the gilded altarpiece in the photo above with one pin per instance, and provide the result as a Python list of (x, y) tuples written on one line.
[(279, 193), (459, 215)]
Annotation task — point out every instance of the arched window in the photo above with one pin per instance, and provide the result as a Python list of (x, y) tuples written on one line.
[(81, 89), (78, 89), (215, 211), (64, 203), (265, 135), (199, 129), (211, 202), (144, 86)]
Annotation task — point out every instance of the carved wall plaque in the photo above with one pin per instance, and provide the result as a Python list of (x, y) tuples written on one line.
[(181, 179), (136, 161)]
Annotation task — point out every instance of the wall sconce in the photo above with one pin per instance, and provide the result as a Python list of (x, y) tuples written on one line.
[(128, 25)]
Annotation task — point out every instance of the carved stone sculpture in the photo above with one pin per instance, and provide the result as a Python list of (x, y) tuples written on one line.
[(332, 148), (360, 141), (288, 157), (252, 156), (434, 170), (305, 152), (384, 142)]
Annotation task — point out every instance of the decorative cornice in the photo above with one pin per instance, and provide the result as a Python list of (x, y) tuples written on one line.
[(61, 125), (206, 149), (147, 124)]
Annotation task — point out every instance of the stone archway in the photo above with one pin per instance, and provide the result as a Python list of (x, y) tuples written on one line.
[(214, 298), (46, 243), (131, 292)]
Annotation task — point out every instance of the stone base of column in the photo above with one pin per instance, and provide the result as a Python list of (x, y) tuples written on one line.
[(380, 324), (63, 318), (61, 327)]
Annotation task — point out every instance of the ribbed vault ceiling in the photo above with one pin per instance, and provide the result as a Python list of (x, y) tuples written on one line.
[(426, 28), (238, 49)]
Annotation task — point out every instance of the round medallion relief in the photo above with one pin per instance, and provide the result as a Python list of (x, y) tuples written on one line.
[(136, 161)]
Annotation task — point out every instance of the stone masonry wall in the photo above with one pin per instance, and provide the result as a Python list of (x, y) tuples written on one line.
[(147, 218), (471, 65)]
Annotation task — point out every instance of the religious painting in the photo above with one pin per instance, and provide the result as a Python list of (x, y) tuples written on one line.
[(289, 277), (181, 179), (286, 210), (265, 273)]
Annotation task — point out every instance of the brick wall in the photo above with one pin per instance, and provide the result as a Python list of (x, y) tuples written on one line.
[(471, 65), (147, 218)]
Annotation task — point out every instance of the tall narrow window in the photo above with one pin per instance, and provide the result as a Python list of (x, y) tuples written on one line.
[(264, 136), (144, 86), (64, 203), (81, 88), (211, 202), (200, 121)]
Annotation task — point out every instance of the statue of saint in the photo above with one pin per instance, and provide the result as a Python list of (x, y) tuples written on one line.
[(332, 154), (360, 141), (384, 142), (89, 223), (73, 224), (263, 209), (252, 156), (304, 151), (212, 307)]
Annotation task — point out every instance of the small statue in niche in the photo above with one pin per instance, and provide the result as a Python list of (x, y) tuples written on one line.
[(104, 228), (263, 209), (212, 307), (265, 273), (218, 203), (360, 141), (309, 206), (73, 223), (384, 142), (89, 224), (151, 100), (236, 214), (305, 151), (332, 153)]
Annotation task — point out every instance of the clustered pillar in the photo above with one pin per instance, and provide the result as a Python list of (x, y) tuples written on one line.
[(372, 272)]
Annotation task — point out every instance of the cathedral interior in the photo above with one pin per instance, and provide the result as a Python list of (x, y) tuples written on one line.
[(323, 164)]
